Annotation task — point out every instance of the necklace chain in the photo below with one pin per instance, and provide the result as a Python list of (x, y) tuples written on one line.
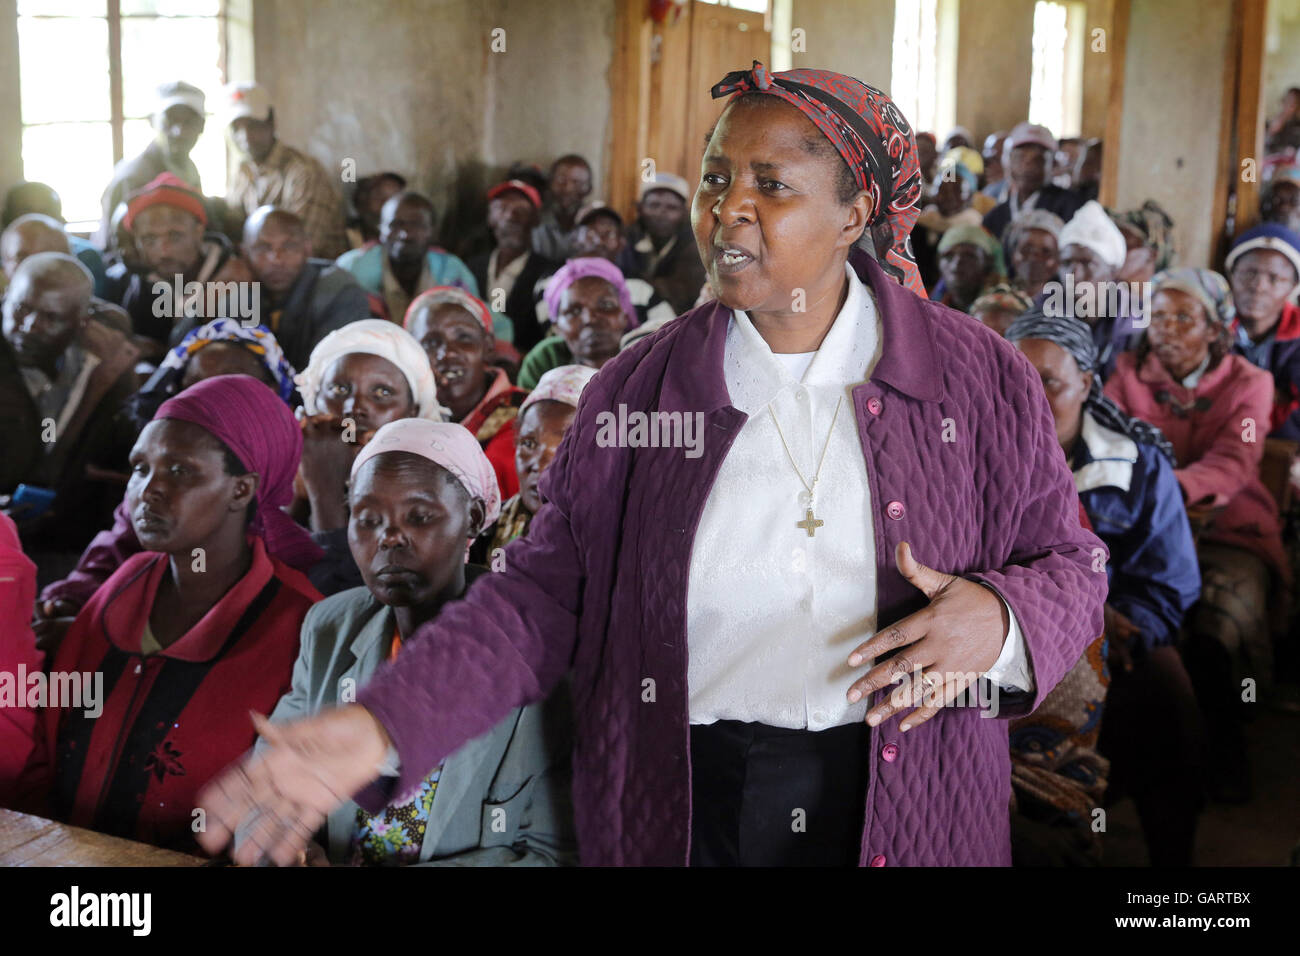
[(811, 489)]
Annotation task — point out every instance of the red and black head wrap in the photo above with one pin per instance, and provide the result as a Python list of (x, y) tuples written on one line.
[(872, 136)]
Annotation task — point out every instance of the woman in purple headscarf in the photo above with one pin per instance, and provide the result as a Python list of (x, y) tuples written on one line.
[(188, 634), (591, 308), (728, 557)]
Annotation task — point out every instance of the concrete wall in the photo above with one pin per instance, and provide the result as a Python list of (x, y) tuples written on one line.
[(994, 49), (11, 123), (1172, 105), (1282, 52), (414, 86), (849, 36)]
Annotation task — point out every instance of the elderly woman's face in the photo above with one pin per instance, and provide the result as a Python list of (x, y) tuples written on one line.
[(1035, 257), (1066, 387), (1180, 333), (766, 217), (459, 350), (1084, 265), (408, 523), (538, 433), (964, 266), (591, 320), (179, 494), (368, 389), (224, 358), (1140, 260)]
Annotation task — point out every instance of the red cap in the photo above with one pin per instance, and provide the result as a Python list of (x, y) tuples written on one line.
[(166, 190), (518, 185)]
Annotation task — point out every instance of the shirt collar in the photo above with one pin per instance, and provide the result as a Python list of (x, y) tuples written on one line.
[(126, 612), (1112, 457)]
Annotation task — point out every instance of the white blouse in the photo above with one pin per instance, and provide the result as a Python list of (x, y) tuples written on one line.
[(772, 613)]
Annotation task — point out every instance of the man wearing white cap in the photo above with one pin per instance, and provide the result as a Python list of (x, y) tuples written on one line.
[(1093, 250), (178, 119), (273, 174), (1027, 158), (660, 246)]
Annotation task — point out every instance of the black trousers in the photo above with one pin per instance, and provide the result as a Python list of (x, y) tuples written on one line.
[(767, 796)]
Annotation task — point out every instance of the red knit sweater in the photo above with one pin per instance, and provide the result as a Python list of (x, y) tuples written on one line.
[(171, 720)]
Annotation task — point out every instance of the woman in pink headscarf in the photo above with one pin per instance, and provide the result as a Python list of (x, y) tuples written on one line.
[(591, 309), (420, 492), (190, 634)]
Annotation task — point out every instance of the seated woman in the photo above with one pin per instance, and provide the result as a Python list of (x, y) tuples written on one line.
[(1031, 246), (590, 310), (420, 491), (970, 263), (1183, 379), (359, 378), (1149, 236), (544, 417), (189, 634), (948, 202), (455, 330), (222, 347), (1124, 471)]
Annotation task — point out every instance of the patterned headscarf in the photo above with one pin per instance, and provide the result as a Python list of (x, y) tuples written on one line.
[(447, 445), (1076, 338), (1156, 228), (582, 268), (1003, 296), (869, 131), (564, 383), (1205, 286), (252, 422), (166, 380), (1028, 219), (442, 294), (374, 337)]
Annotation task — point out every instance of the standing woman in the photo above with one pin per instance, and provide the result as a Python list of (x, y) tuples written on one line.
[(726, 607)]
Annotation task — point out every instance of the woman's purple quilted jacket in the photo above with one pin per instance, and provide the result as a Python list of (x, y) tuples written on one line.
[(598, 586)]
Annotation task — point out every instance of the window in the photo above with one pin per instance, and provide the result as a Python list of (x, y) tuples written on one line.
[(89, 69), (923, 80), (1056, 84)]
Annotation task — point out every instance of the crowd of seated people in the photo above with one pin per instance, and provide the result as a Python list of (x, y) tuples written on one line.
[(253, 443)]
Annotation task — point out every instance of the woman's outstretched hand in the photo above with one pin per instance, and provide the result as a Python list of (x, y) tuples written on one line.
[(272, 803), (959, 634)]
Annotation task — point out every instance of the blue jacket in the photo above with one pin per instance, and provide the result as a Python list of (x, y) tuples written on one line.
[(1132, 499)]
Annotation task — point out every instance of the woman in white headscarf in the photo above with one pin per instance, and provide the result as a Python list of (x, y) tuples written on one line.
[(359, 378)]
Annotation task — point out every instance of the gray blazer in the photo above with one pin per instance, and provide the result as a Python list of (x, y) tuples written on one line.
[(502, 799)]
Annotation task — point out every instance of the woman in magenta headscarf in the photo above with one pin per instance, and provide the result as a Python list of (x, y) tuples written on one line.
[(188, 635), (734, 598), (591, 309)]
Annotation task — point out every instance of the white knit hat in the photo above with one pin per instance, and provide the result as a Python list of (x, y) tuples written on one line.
[(1092, 228)]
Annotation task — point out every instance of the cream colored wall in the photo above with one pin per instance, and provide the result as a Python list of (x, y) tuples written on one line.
[(1172, 105), (414, 85), (995, 43), (849, 36), (11, 128)]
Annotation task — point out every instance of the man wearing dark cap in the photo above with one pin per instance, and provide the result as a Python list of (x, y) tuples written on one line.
[(273, 174), (512, 276), (178, 120), (303, 299), (187, 271), (599, 233)]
